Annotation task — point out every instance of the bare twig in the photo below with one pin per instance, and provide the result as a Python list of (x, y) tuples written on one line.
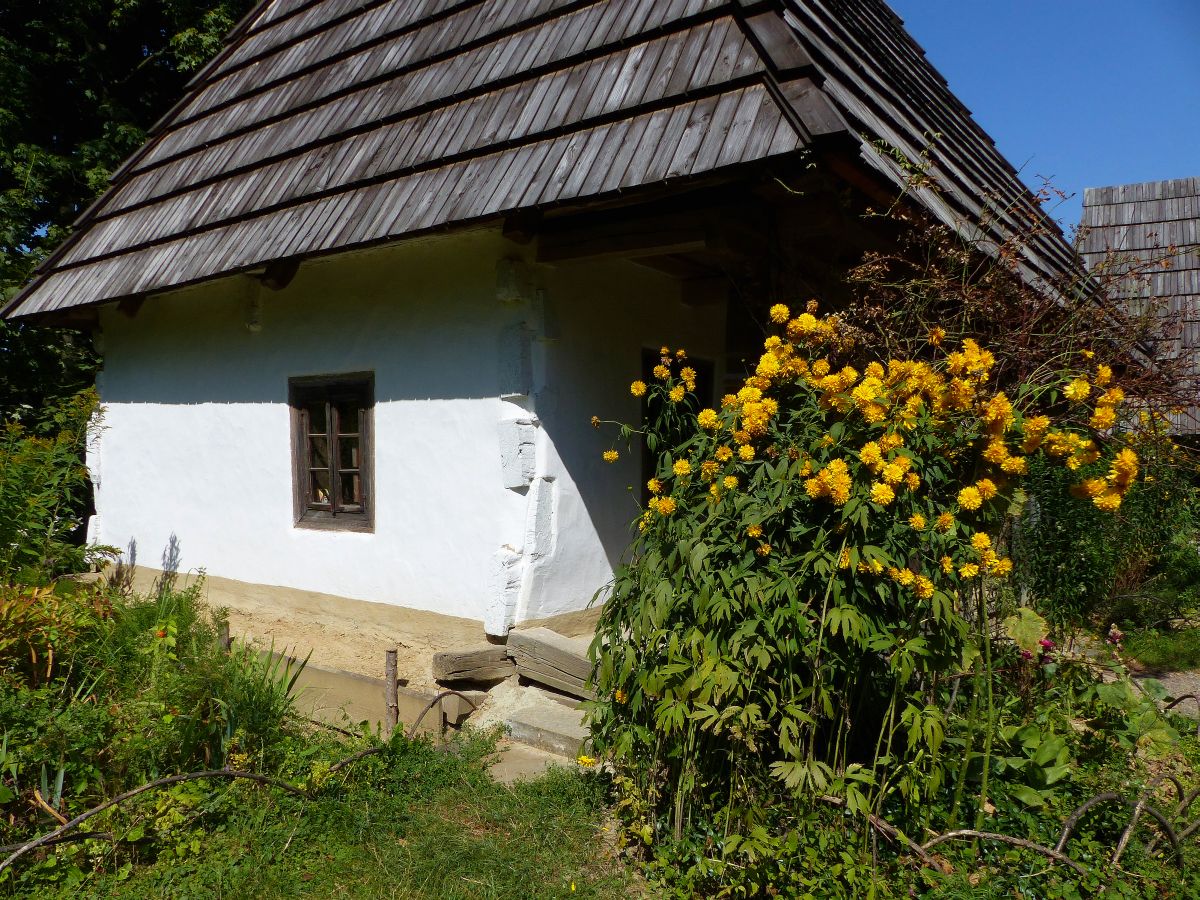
[(66, 839), (1049, 852), (888, 830), (1128, 832), (432, 703), (1177, 700), (1080, 811), (1109, 797), (40, 803), (130, 794)]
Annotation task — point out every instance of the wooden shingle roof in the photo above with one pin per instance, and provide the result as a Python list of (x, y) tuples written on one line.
[(331, 124), (1153, 230)]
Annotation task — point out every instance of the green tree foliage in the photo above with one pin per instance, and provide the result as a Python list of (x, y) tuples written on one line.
[(81, 82)]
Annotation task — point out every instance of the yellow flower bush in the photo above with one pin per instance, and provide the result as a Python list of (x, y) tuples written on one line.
[(828, 564)]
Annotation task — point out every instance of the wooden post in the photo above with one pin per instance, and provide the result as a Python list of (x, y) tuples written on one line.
[(224, 641), (390, 692)]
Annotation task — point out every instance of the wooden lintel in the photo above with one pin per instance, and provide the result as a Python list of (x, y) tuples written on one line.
[(705, 291), (630, 241), (131, 305), (522, 227), (279, 273)]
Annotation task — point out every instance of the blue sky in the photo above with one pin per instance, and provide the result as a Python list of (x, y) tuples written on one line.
[(1089, 92)]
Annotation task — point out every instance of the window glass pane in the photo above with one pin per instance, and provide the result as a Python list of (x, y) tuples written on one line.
[(319, 486), (351, 488), (347, 411), (318, 451), (316, 417), (348, 454)]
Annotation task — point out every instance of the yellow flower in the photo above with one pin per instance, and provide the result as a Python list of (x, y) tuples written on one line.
[(968, 570), (724, 454), (1002, 568), (912, 480), (664, 350), (661, 372), (1109, 501), (996, 453), (892, 473), (745, 453), (1124, 467), (882, 493), (676, 393), (620, 696), (871, 456), (937, 335), (688, 374), (754, 531), (1016, 465), (987, 488), (1103, 418), (917, 522), (681, 467), (779, 313), (945, 521), (1112, 397), (681, 353), (903, 576), (708, 420), (611, 456), (844, 558), (654, 486), (763, 549), (1077, 390), (730, 482), (584, 760), (947, 564), (923, 588), (638, 388), (709, 469), (666, 506), (1103, 375), (969, 498), (981, 541)]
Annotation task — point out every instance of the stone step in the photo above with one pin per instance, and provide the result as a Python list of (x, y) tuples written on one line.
[(554, 728)]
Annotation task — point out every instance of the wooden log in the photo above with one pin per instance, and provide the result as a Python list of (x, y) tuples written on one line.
[(486, 662), (391, 692), (549, 658)]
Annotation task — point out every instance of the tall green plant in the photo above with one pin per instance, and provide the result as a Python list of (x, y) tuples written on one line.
[(43, 489), (817, 560)]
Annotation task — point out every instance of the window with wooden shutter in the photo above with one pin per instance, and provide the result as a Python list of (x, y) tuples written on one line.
[(332, 450)]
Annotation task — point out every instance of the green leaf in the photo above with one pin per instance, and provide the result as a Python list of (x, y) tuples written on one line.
[(1029, 796), (1026, 629)]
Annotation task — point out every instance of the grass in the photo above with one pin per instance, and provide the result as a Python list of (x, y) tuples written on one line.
[(1165, 651), (422, 824)]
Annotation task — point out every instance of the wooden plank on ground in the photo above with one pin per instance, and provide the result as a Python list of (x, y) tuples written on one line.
[(548, 658), (482, 663)]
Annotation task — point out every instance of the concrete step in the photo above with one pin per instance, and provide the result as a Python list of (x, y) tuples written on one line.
[(520, 762), (533, 717), (555, 728)]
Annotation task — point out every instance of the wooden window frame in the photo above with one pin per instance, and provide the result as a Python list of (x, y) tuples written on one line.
[(359, 386)]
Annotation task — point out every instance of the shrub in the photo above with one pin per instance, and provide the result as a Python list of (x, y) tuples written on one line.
[(1140, 567), (43, 491), (140, 687), (818, 562)]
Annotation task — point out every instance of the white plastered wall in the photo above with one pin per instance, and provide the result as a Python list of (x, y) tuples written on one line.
[(491, 499)]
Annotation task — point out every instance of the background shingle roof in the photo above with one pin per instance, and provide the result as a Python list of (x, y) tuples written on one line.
[(329, 124)]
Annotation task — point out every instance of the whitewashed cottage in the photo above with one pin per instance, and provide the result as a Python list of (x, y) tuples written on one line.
[(364, 287)]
